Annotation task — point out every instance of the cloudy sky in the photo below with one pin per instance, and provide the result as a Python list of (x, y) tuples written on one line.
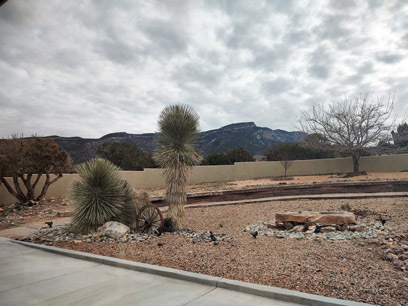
[(88, 68)]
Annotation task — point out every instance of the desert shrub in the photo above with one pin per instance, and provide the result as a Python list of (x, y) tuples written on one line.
[(100, 195), (345, 207), (126, 155), (229, 158), (295, 151), (142, 199)]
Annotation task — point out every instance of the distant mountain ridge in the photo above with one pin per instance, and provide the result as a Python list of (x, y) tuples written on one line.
[(248, 135)]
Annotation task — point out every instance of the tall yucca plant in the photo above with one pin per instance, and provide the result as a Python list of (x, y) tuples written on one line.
[(100, 195), (176, 153)]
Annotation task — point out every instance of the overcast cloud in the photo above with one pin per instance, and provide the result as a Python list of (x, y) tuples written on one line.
[(88, 68)]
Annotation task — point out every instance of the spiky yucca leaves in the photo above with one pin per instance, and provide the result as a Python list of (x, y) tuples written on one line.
[(128, 212), (100, 195), (177, 136)]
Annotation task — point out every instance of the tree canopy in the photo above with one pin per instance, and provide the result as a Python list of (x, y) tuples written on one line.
[(229, 158), (295, 151), (21, 158), (126, 156), (351, 125)]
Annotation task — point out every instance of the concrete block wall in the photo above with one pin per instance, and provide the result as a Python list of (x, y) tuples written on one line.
[(151, 178)]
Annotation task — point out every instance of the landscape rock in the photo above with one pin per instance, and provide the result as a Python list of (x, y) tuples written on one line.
[(313, 217), (62, 214), (358, 228), (342, 227), (311, 229), (279, 224), (298, 228), (114, 230), (288, 225), (327, 229), (327, 232)]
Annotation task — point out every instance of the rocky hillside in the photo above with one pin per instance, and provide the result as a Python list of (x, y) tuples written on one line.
[(247, 135)]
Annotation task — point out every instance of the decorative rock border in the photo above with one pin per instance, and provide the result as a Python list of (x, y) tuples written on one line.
[(64, 233), (268, 229)]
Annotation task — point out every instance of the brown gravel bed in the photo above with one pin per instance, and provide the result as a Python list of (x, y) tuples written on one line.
[(351, 270)]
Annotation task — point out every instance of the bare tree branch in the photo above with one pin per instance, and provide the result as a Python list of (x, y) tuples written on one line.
[(350, 125)]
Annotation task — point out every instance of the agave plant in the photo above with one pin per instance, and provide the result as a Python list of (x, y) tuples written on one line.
[(100, 195), (176, 153)]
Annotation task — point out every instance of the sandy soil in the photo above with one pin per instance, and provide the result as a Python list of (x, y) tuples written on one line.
[(343, 269)]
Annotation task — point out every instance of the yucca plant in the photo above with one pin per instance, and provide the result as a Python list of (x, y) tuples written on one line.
[(128, 212), (176, 153), (100, 195)]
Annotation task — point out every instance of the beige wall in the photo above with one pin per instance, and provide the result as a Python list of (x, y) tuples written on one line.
[(150, 178)]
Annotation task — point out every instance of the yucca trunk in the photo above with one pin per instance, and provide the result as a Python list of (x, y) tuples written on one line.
[(176, 196)]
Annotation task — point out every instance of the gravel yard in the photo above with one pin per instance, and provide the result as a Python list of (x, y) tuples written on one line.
[(352, 269)]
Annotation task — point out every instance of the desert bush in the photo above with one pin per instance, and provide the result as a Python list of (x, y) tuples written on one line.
[(100, 195), (345, 207), (229, 158), (142, 199), (125, 155)]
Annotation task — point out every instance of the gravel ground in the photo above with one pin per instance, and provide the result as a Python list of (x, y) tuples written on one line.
[(351, 270)]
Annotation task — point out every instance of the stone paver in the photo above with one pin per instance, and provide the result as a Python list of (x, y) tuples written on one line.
[(33, 277)]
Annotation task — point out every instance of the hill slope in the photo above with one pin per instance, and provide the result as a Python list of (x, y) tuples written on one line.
[(247, 135)]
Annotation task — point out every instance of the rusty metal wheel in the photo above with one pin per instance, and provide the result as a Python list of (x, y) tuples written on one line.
[(150, 220)]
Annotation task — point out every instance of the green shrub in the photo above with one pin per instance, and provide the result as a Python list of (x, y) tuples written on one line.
[(100, 195), (345, 207)]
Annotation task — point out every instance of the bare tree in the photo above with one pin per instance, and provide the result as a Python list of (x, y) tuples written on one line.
[(286, 164), (349, 126)]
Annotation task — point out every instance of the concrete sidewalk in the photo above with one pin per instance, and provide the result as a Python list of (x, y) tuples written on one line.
[(33, 277), (33, 274)]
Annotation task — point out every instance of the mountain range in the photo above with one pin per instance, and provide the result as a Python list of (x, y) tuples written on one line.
[(247, 135)]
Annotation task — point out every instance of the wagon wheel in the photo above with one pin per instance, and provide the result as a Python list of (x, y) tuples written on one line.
[(150, 220)]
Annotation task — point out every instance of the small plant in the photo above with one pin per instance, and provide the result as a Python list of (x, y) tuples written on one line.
[(142, 199), (345, 207), (100, 196)]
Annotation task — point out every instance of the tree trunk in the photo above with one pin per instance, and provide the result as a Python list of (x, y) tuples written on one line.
[(21, 196), (176, 195), (29, 187), (11, 191), (356, 165), (47, 184)]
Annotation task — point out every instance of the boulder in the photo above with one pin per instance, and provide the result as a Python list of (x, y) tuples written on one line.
[(114, 230), (313, 217)]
